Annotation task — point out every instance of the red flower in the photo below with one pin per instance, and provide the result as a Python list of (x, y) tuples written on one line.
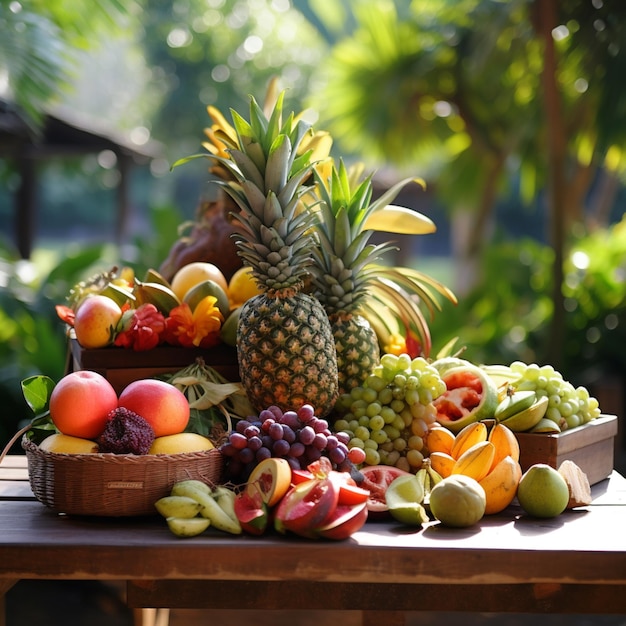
[(65, 313), (413, 345), (142, 328)]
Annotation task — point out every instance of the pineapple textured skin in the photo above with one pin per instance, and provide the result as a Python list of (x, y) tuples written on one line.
[(286, 353)]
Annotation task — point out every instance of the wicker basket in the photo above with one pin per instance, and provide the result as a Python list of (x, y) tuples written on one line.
[(113, 485)]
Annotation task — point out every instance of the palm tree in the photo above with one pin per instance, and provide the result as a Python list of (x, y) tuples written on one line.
[(38, 43)]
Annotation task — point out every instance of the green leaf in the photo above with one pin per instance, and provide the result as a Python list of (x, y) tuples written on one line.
[(36, 391)]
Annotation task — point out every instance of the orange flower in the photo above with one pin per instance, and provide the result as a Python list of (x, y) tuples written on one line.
[(199, 329)]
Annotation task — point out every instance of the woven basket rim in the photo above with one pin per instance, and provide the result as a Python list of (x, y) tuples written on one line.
[(31, 446)]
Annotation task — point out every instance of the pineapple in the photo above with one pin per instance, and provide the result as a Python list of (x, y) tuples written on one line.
[(349, 282), (285, 345)]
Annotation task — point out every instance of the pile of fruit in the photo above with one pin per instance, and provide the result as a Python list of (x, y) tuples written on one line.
[(115, 308), (346, 414), (149, 417), (318, 502)]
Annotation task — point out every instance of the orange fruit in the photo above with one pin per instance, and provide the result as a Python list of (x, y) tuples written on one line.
[(242, 286), (95, 321), (80, 403), (193, 274), (159, 403)]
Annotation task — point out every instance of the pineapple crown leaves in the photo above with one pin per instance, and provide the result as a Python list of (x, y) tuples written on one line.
[(397, 293)]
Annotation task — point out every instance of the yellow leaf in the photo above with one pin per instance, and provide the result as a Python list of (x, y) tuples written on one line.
[(397, 219)]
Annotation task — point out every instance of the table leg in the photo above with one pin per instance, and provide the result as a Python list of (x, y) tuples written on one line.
[(388, 618), (5, 585), (148, 617)]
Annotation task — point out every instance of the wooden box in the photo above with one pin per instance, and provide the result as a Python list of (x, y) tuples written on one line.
[(121, 366), (591, 447)]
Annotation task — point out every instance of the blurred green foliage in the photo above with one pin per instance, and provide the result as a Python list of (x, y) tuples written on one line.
[(507, 315)]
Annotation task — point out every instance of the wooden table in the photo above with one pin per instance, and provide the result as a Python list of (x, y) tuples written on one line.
[(575, 563)]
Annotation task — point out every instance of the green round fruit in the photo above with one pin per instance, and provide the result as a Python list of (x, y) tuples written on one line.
[(228, 332), (471, 396), (458, 501), (542, 491)]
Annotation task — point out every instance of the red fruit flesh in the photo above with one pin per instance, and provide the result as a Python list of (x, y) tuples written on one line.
[(377, 479), (345, 521), (306, 507)]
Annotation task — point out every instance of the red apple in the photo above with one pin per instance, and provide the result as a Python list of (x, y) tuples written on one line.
[(251, 511), (306, 507), (344, 522)]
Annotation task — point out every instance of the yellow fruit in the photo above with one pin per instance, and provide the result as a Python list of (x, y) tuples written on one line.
[(500, 485), (272, 477), (242, 286), (439, 439), (505, 441), (467, 437), (458, 501), (442, 463), (193, 274), (476, 461), (66, 444), (180, 443), (95, 321)]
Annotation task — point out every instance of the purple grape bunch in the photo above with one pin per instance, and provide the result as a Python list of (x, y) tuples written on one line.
[(298, 436)]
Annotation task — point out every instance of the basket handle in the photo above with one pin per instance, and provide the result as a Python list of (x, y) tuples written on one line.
[(18, 434)]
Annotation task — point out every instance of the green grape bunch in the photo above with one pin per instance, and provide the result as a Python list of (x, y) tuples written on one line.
[(391, 413), (568, 406)]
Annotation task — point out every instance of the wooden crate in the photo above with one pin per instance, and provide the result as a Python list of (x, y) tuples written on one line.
[(590, 446), (122, 366)]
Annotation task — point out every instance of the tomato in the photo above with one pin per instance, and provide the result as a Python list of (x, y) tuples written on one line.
[(377, 479)]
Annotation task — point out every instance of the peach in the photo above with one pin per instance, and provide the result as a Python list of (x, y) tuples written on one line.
[(80, 403), (164, 406), (95, 321)]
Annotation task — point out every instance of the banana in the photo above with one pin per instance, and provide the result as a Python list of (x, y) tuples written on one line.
[(505, 441), (468, 436), (476, 461), (196, 484), (439, 439), (545, 425), (529, 418), (431, 478), (210, 508), (225, 497), (442, 463), (162, 297), (188, 527), (514, 403), (500, 485), (178, 506)]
